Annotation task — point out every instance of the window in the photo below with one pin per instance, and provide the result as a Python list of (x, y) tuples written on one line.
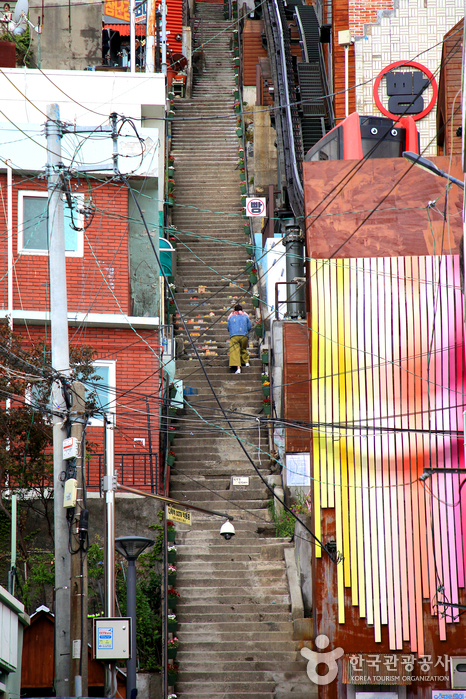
[(104, 389), (328, 148), (32, 224)]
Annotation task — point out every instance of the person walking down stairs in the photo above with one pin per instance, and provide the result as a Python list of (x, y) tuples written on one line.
[(239, 327)]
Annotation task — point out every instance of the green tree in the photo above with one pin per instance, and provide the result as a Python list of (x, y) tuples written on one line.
[(26, 464)]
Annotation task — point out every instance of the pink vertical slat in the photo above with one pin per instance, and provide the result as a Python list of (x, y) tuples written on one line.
[(397, 284), (419, 339), (405, 271), (431, 459)]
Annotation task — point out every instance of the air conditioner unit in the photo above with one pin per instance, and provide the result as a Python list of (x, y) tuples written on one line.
[(458, 672)]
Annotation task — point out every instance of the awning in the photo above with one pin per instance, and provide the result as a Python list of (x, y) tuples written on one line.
[(124, 29)]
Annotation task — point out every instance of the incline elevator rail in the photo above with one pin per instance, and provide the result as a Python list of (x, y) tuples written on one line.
[(288, 112)]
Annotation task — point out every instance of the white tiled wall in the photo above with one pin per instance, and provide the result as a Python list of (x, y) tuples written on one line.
[(413, 31)]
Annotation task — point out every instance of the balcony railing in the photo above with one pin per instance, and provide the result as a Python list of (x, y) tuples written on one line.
[(137, 470)]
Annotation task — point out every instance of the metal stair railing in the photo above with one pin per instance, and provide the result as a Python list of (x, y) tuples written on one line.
[(288, 113)]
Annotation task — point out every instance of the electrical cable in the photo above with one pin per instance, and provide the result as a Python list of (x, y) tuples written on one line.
[(330, 554)]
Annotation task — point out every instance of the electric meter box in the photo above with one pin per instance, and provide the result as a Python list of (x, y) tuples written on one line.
[(70, 448), (458, 672), (70, 493), (112, 638)]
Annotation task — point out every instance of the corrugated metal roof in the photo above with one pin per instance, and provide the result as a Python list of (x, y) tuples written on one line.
[(123, 28), (174, 24)]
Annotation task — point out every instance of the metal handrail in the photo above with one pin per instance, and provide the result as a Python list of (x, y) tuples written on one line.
[(139, 469), (277, 302), (328, 100), (293, 176)]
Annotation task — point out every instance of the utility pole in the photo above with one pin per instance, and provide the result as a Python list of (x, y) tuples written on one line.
[(164, 36), (109, 487), (150, 38), (80, 543), (61, 364)]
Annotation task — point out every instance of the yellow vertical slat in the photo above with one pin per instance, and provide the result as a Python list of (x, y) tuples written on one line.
[(313, 290), (321, 268), (363, 517), (327, 416), (334, 417), (350, 392), (342, 402)]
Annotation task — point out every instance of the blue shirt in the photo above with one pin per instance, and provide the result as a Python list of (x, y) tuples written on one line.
[(239, 324)]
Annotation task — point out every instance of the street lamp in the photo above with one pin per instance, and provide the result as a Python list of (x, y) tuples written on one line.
[(131, 547), (429, 166)]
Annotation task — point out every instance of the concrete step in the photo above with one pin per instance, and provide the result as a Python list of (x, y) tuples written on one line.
[(245, 655), (234, 611), (209, 617), (193, 666), (234, 689)]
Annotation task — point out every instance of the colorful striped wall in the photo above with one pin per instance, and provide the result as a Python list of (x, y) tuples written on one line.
[(387, 401)]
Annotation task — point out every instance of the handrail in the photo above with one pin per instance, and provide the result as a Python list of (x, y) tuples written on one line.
[(293, 175), (277, 302), (136, 468), (327, 98)]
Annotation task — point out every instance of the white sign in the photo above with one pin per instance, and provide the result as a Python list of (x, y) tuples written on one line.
[(70, 448), (255, 206), (105, 638), (449, 694), (298, 469), (240, 480)]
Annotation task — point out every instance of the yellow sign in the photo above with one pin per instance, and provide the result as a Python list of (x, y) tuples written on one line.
[(119, 9), (182, 516)]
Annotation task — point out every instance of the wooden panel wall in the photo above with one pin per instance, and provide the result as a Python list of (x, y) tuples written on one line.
[(296, 385), (449, 98), (340, 23)]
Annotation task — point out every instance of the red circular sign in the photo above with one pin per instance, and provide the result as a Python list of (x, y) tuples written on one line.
[(410, 64)]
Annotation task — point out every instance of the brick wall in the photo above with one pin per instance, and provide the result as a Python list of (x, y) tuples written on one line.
[(98, 282), (137, 401), (363, 12), (412, 32)]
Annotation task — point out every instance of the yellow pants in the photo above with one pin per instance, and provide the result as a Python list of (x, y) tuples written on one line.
[(238, 350)]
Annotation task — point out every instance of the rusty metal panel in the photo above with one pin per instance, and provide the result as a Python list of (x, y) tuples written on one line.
[(379, 208), (340, 13), (296, 385), (7, 54), (375, 668)]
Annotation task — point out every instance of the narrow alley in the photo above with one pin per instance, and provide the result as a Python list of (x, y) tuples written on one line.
[(234, 612)]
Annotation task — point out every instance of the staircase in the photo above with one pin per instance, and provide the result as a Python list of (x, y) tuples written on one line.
[(234, 616)]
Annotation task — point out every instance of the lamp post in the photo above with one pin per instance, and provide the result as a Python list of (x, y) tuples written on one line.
[(429, 166), (131, 547)]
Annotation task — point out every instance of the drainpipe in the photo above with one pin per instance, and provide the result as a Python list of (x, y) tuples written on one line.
[(294, 245), (9, 184)]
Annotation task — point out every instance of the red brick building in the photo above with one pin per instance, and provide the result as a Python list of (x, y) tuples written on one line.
[(100, 302)]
